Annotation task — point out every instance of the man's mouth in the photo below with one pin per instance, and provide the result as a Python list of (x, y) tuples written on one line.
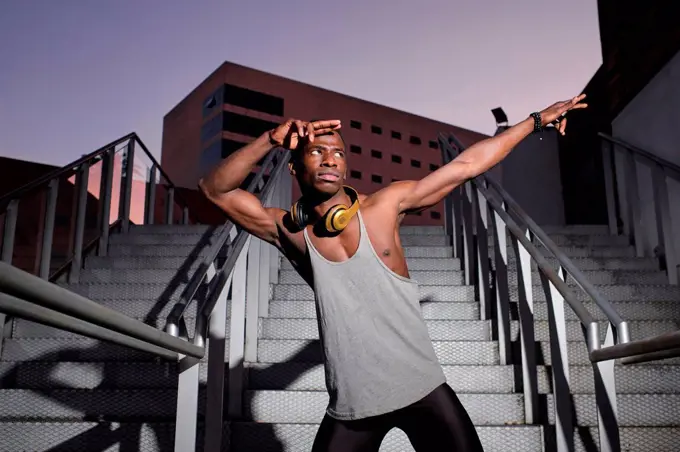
[(329, 177)]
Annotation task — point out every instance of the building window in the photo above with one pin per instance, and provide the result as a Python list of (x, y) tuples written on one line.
[(434, 144), (354, 174), (396, 135), (377, 130), (355, 125), (414, 140), (433, 167), (396, 158), (415, 163), (376, 154), (253, 100), (395, 180), (245, 125), (435, 215), (230, 146), (377, 179), (354, 149), (211, 128)]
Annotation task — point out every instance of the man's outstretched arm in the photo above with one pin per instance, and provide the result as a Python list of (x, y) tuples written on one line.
[(475, 160)]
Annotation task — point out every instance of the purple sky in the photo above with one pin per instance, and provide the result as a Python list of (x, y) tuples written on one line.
[(76, 74)]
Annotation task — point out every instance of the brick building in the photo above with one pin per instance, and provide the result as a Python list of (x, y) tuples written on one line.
[(235, 104)]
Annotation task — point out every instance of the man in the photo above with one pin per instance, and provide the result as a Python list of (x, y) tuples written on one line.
[(381, 368)]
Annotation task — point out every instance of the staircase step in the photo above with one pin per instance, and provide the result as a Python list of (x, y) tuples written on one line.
[(619, 292), (414, 264), (578, 354), (605, 277), (633, 410), (582, 251), (84, 404), (430, 277), (458, 353), (310, 406), (124, 250), (629, 310), (431, 310), (141, 292), (131, 263), (283, 437), (84, 349), (90, 436), (584, 229), (588, 240), (172, 228), (595, 263), (138, 275), (429, 293)]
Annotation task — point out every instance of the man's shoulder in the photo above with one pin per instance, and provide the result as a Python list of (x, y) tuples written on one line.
[(389, 194)]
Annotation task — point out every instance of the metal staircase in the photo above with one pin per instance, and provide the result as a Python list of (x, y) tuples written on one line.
[(257, 383)]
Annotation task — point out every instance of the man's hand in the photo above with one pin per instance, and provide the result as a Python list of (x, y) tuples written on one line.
[(290, 132), (555, 113)]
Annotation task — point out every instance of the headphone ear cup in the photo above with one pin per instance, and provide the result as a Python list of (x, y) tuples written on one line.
[(336, 218), (299, 215)]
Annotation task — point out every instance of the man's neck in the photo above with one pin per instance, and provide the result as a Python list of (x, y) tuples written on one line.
[(317, 207)]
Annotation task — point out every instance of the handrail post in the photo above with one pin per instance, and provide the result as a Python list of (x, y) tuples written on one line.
[(664, 224), (187, 404), (127, 175), (562, 403), (169, 205), (252, 299), (525, 307), (634, 203), (468, 237), (150, 198), (48, 229), (482, 253), (610, 188), (237, 334), (8, 234), (185, 215), (502, 289), (81, 210), (605, 390), (105, 189)]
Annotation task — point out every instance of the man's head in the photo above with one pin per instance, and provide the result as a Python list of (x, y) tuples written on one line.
[(320, 167)]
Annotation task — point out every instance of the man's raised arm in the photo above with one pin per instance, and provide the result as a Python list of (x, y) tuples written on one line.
[(221, 184), (477, 159)]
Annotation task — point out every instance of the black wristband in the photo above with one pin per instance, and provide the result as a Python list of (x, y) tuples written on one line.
[(537, 121)]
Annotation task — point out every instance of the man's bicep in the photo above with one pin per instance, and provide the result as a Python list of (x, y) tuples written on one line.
[(246, 210), (432, 189)]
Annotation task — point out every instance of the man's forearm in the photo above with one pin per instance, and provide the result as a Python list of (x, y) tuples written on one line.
[(232, 171), (485, 154)]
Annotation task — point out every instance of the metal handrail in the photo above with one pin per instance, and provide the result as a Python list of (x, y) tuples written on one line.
[(174, 317), (674, 169)]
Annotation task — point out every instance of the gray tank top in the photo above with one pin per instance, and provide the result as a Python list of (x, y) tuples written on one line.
[(377, 351)]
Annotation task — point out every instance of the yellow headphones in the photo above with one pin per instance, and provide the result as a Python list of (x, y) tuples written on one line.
[(335, 219)]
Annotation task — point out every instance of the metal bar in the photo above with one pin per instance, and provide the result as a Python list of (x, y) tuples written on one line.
[(252, 300), (185, 215), (237, 333), (105, 201), (150, 206), (482, 254), (673, 168), (48, 229), (610, 189), (468, 237), (23, 285), (263, 289), (169, 205), (502, 289), (653, 356), (79, 233), (21, 308), (634, 217), (216, 363), (9, 231), (186, 419), (664, 226), (650, 345), (562, 403), (605, 396), (126, 186)]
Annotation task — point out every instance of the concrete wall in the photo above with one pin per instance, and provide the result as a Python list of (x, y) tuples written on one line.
[(652, 122)]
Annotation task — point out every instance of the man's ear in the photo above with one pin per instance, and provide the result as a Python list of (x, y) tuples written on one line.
[(291, 168)]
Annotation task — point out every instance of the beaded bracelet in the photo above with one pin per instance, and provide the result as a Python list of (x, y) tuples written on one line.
[(537, 121)]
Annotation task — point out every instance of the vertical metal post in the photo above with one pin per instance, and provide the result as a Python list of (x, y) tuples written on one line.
[(525, 306), (273, 252), (605, 392), (664, 226), (150, 198), (170, 205), (252, 300), (610, 189), (482, 253), (126, 186), (48, 229), (185, 215), (634, 203), (468, 237), (79, 232), (105, 201), (502, 287), (215, 385), (8, 234), (263, 281), (186, 420), (562, 404), (237, 333)]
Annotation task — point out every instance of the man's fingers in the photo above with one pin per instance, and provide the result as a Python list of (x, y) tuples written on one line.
[(310, 132), (300, 128), (562, 125), (331, 124)]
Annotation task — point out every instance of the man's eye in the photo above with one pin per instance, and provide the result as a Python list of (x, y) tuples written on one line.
[(339, 154), (315, 151)]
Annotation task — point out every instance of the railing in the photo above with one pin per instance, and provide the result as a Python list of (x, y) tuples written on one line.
[(248, 270), (482, 204), (625, 212), (250, 267)]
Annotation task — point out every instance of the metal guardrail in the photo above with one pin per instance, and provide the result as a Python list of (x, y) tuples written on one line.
[(623, 188), (468, 209), (247, 272)]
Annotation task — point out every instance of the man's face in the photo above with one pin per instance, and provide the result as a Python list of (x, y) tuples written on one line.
[(321, 166)]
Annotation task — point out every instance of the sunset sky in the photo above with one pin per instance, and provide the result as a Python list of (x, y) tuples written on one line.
[(76, 74)]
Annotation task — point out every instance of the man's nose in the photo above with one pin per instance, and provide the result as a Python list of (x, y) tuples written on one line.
[(329, 160)]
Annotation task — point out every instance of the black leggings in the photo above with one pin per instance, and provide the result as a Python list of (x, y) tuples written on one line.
[(438, 422)]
